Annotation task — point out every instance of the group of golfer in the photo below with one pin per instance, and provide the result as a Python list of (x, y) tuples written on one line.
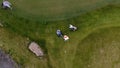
[(65, 37)]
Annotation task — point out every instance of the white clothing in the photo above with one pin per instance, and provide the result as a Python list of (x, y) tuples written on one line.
[(66, 37), (72, 27), (6, 4)]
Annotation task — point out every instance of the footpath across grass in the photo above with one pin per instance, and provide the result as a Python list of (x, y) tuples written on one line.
[(62, 54)]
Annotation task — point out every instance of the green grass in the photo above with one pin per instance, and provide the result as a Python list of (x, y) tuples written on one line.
[(17, 47), (100, 49), (80, 49), (107, 17), (55, 10)]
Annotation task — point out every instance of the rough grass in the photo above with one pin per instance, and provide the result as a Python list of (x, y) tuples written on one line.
[(17, 47), (62, 54)]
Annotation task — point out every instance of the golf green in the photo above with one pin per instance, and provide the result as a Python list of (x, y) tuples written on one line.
[(55, 9)]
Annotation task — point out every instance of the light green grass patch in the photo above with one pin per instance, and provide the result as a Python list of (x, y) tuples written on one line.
[(99, 50)]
